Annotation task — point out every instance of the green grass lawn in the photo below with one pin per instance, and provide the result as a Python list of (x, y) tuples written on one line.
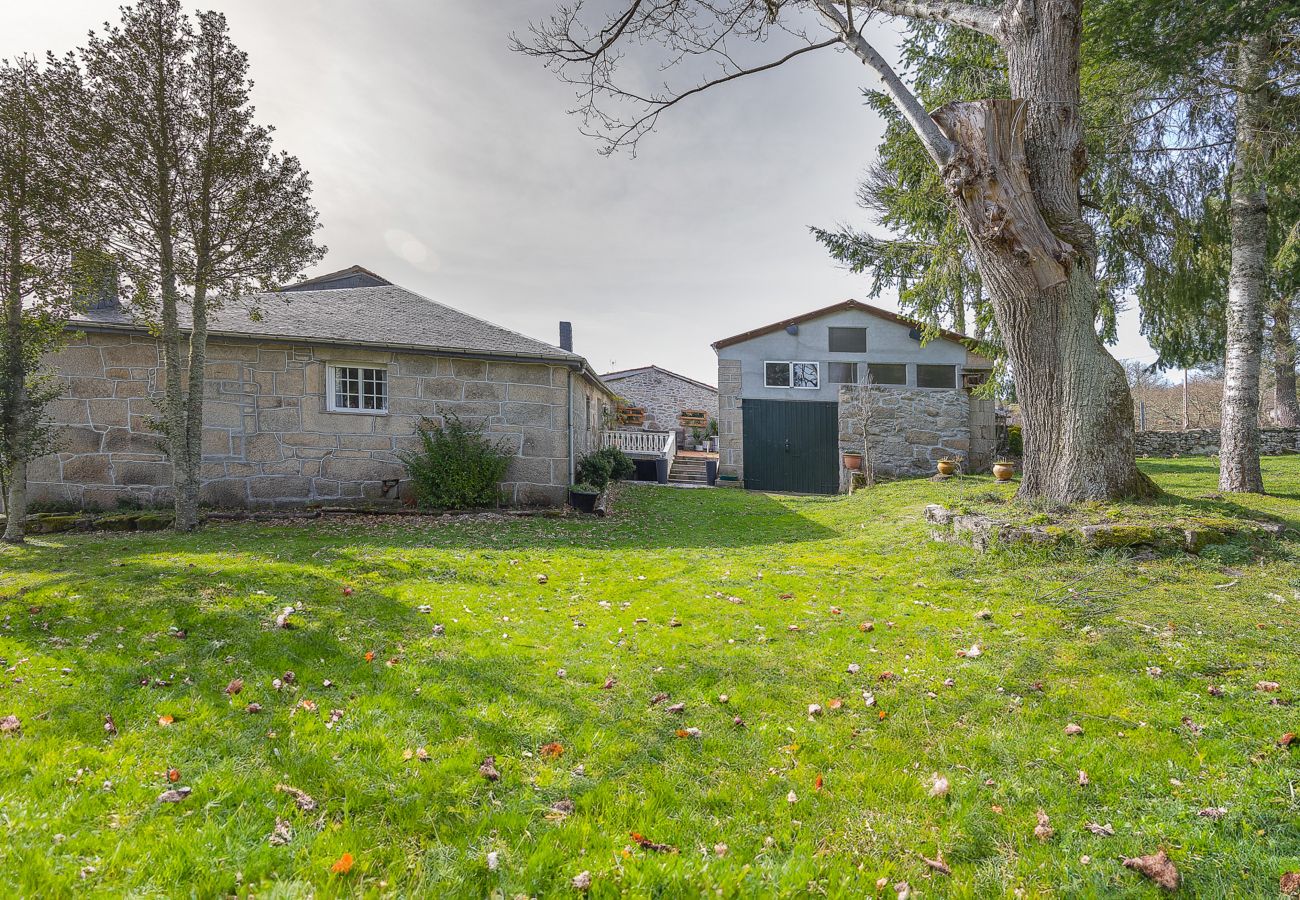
[(692, 594)]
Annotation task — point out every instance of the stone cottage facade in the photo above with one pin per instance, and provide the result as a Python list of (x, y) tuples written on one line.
[(311, 399), (664, 396), (795, 395)]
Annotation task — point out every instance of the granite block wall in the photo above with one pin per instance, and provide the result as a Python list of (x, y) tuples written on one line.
[(1205, 442)]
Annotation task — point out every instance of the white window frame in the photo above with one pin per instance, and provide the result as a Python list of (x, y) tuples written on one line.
[(331, 374), (790, 364)]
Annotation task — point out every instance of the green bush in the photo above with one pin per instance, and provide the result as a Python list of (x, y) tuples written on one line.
[(584, 488), (601, 466), (456, 467), (1015, 441)]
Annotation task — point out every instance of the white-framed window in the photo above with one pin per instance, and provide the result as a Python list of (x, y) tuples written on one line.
[(357, 389), (784, 374)]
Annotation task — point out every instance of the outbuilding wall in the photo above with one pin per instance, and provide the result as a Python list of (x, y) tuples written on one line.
[(268, 439), (664, 395)]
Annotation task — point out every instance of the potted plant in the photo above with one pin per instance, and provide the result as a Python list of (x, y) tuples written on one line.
[(948, 465), (852, 460), (1003, 470), (583, 496)]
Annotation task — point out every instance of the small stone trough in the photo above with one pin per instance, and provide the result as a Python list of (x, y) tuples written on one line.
[(985, 532)]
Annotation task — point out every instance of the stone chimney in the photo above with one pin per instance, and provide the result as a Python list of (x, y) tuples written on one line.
[(566, 336)]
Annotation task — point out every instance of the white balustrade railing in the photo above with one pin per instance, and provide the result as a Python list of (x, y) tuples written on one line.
[(655, 443)]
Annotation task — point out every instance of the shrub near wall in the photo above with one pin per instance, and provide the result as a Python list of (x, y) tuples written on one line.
[(456, 467)]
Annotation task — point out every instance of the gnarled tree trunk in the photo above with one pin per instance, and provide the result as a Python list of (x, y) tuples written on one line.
[(1286, 407), (1247, 278), (1035, 255)]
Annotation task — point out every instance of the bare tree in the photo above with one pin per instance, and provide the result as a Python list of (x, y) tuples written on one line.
[(1010, 166)]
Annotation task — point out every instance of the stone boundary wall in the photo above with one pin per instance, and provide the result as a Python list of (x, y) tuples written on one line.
[(731, 444), (1205, 442), (268, 440), (664, 396), (904, 431)]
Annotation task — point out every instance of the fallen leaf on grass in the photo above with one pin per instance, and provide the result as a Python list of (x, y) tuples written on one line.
[(937, 864), (1073, 729), (814, 709), (563, 807), (343, 865), (1268, 687), (174, 795), (553, 750), (938, 785), (867, 626), (689, 732), (818, 782), (1106, 830), (1286, 740), (1215, 690), (676, 708), (173, 775), (1083, 779), (609, 684), (834, 703), (792, 797), (109, 725), (281, 834), (10, 725), (488, 769), (659, 698), (1290, 884), (582, 881), (1158, 868), (301, 799), (236, 685), (646, 844), (253, 708), (370, 656), (165, 720), (1213, 812), (720, 849), (1043, 830)]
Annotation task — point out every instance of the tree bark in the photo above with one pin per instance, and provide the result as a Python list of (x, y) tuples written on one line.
[(189, 476), (1286, 407), (1247, 278), (16, 375)]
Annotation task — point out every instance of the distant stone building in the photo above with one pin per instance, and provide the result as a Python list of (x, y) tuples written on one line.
[(310, 394), (796, 394), (665, 397)]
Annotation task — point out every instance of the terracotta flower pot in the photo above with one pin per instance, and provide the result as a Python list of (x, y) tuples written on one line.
[(1003, 471), (853, 461), (947, 467)]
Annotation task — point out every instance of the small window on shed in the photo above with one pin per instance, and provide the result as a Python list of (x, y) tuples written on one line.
[(848, 340), (936, 376), (844, 373), (887, 373)]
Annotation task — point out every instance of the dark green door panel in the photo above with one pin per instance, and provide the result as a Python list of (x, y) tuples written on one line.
[(791, 445)]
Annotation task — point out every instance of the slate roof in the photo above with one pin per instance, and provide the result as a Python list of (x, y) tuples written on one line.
[(380, 317), (627, 373)]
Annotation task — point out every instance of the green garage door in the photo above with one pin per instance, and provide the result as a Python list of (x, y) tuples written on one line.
[(791, 445)]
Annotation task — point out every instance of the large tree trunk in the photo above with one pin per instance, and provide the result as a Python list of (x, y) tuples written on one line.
[(1286, 407), (1247, 278), (189, 476), (1015, 178), (16, 503), (16, 396)]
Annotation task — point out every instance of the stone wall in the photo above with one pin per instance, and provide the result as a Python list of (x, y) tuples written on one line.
[(731, 444), (904, 431), (664, 395), (268, 439), (1205, 442)]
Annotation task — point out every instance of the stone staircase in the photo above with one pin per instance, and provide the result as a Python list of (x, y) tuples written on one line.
[(689, 470)]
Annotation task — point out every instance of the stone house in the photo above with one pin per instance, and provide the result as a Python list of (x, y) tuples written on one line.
[(310, 394), (667, 399), (794, 395)]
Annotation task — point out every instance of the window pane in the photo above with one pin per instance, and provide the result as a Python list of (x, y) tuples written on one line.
[(804, 374), (843, 373), (358, 388), (776, 374), (936, 376), (848, 340), (887, 373)]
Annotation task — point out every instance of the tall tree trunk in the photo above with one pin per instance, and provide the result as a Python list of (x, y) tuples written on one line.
[(1015, 177), (1286, 407), (189, 477), (1187, 403), (16, 395), (1247, 278)]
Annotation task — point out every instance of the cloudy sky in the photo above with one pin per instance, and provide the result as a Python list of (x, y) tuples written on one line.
[(446, 163)]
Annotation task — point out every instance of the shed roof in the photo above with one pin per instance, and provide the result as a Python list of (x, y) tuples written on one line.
[(627, 373)]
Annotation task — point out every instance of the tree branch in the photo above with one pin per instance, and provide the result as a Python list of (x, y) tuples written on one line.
[(936, 143), (984, 19)]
